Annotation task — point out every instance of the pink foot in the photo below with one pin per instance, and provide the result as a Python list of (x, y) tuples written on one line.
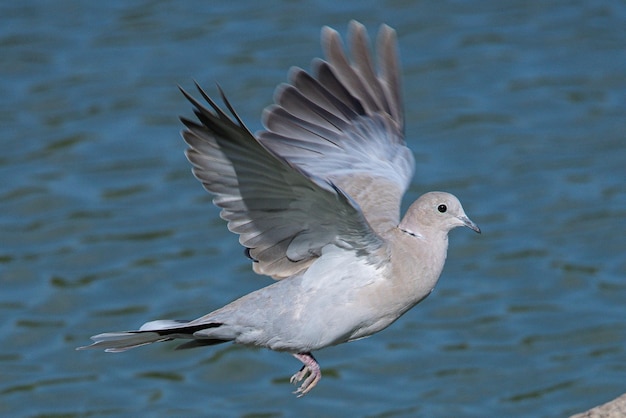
[(311, 368)]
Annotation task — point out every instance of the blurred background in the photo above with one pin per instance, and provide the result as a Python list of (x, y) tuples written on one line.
[(517, 107)]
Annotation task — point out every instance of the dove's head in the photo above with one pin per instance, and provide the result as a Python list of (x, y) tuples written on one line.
[(438, 211)]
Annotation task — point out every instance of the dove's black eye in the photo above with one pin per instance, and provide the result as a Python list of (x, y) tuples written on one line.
[(442, 208)]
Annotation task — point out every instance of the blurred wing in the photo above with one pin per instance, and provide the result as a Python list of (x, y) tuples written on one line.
[(345, 124), (283, 216)]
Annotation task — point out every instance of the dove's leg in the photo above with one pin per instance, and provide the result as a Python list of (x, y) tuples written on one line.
[(311, 368)]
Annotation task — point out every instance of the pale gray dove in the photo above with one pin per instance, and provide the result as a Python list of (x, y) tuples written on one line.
[(315, 199)]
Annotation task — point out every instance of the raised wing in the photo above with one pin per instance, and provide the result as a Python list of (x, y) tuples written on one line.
[(283, 216), (345, 124)]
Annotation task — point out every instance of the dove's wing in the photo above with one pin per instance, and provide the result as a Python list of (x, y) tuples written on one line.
[(344, 124), (283, 216)]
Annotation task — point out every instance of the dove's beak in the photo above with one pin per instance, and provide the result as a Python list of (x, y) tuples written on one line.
[(468, 223)]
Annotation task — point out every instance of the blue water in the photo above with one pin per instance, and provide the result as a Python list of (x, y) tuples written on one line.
[(519, 108)]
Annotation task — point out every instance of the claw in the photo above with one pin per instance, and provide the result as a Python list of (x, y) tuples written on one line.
[(298, 376), (311, 369)]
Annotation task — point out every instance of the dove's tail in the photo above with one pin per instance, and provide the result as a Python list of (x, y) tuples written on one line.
[(155, 332)]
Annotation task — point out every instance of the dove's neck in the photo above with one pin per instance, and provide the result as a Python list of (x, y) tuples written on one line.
[(418, 258)]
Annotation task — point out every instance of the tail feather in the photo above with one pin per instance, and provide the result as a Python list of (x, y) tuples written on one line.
[(199, 343), (117, 342), (163, 324), (153, 332)]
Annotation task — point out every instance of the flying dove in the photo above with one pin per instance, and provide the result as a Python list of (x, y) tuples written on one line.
[(315, 199)]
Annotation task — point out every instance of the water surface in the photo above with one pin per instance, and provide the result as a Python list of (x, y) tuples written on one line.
[(517, 108)]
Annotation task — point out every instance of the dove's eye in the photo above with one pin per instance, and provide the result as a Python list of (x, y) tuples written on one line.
[(442, 208)]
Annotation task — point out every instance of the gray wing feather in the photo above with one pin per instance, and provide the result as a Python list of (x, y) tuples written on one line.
[(388, 59), (283, 215), (344, 124)]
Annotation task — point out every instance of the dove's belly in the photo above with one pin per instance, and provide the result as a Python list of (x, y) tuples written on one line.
[(303, 322), (340, 300)]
